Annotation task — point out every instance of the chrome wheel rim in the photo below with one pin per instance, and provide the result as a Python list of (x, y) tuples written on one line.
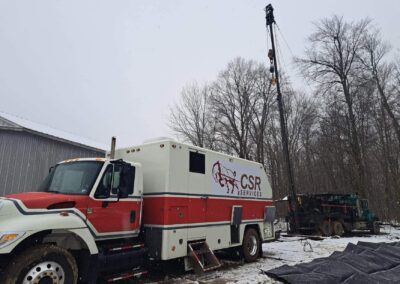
[(45, 272), (252, 245)]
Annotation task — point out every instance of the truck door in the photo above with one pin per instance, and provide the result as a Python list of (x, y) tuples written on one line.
[(197, 187), (110, 214)]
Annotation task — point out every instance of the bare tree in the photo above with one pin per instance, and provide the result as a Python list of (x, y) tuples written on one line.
[(380, 71), (302, 118), (233, 102), (342, 140), (191, 118), (263, 106), (332, 62)]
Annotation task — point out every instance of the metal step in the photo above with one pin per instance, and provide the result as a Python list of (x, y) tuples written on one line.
[(122, 257), (126, 275), (203, 258), (123, 247)]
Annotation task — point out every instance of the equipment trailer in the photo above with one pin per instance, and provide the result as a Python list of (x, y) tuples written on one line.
[(114, 216)]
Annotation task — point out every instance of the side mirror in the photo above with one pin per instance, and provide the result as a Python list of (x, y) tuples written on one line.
[(122, 193), (126, 181), (117, 182)]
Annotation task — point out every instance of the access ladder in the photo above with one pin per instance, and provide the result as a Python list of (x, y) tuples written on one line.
[(203, 258)]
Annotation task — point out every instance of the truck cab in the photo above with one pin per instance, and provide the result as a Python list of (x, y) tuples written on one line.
[(81, 203)]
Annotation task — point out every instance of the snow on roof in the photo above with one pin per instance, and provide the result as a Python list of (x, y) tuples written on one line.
[(157, 139), (11, 121)]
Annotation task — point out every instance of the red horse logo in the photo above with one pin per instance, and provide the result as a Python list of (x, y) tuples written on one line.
[(225, 177)]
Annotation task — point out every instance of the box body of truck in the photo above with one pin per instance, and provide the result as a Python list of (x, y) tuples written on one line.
[(192, 194)]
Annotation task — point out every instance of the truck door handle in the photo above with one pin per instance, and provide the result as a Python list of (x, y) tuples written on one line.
[(133, 216)]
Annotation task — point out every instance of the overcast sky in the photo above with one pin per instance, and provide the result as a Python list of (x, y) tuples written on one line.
[(100, 68)]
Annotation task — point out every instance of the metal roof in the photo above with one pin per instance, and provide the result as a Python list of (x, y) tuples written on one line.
[(16, 123)]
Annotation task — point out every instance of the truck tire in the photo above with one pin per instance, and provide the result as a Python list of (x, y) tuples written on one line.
[(251, 245), (337, 228), (42, 264), (376, 229), (325, 228), (290, 227)]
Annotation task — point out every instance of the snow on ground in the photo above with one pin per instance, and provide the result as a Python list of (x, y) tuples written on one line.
[(286, 250)]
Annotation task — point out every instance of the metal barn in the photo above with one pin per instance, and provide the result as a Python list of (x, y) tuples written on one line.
[(28, 150)]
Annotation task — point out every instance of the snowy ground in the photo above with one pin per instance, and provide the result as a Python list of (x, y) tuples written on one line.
[(287, 250)]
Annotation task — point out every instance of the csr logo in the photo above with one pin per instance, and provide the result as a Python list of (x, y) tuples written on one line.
[(227, 178), (250, 182)]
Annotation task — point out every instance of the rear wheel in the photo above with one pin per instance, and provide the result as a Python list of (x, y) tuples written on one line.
[(43, 264), (337, 228), (251, 245), (376, 229), (291, 227), (325, 228)]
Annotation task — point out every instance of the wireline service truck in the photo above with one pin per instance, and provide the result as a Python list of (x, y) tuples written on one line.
[(154, 202)]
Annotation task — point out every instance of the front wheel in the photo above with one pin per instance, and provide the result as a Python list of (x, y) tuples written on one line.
[(251, 245), (47, 264)]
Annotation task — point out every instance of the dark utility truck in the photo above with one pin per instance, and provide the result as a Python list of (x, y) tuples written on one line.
[(332, 214)]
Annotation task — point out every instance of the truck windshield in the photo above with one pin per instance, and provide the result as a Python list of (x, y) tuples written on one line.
[(72, 178)]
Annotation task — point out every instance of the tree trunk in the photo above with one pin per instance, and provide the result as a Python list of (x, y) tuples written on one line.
[(355, 145), (389, 111)]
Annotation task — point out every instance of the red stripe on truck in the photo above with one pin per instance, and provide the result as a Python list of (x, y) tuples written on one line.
[(172, 210)]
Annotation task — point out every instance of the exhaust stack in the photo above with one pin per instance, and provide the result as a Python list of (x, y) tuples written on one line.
[(112, 152)]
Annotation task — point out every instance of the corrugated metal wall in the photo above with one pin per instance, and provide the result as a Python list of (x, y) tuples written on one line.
[(25, 159)]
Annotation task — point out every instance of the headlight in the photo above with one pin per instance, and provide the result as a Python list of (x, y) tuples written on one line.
[(8, 238)]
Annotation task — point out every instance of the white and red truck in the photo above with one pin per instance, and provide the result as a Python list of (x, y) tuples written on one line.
[(158, 201)]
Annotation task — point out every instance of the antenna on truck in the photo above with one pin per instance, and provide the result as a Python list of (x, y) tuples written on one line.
[(112, 152), (270, 19)]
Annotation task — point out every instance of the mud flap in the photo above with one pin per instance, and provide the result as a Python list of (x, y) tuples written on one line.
[(237, 212)]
